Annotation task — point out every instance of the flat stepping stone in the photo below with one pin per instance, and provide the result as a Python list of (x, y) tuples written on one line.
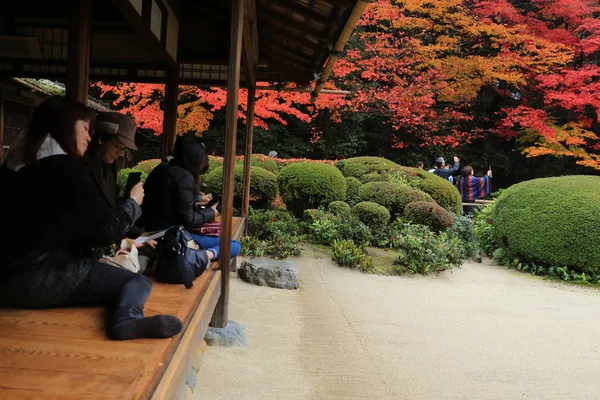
[(273, 273)]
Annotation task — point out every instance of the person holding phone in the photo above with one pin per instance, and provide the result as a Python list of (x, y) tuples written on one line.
[(171, 194), (114, 134)]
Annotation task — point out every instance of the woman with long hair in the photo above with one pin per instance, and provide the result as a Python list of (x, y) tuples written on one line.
[(58, 218), (171, 193)]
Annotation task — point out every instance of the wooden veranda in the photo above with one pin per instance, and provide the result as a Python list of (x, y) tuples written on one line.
[(234, 43)]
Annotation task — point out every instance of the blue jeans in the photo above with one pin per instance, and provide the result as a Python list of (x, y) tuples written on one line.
[(212, 243)]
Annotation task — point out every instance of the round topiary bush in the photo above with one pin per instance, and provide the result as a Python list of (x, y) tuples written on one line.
[(552, 221), (440, 189), (430, 214), (310, 185), (339, 208), (372, 214), (263, 185), (214, 162), (147, 165), (353, 185), (367, 169), (261, 160), (392, 196)]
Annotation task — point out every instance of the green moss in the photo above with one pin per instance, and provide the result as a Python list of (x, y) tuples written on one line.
[(552, 221), (393, 196), (372, 214), (263, 185), (367, 169), (339, 208), (430, 214), (310, 185), (440, 189)]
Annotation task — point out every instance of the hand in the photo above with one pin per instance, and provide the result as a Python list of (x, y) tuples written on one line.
[(214, 207), (456, 159), (489, 173), (151, 243), (137, 193)]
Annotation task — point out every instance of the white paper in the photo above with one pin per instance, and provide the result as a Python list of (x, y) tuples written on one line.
[(144, 239)]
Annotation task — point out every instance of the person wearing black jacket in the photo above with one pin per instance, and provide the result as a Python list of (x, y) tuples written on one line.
[(58, 218), (113, 134), (171, 193), (446, 173)]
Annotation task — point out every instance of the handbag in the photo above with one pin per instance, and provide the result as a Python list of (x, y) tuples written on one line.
[(209, 229), (125, 257), (179, 257)]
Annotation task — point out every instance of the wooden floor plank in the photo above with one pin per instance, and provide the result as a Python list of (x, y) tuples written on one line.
[(64, 353)]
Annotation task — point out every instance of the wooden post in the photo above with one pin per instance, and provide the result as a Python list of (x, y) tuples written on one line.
[(233, 85), (248, 152), (170, 109), (1, 128), (80, 37)]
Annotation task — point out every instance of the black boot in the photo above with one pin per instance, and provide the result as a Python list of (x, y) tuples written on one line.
[(129, 321)]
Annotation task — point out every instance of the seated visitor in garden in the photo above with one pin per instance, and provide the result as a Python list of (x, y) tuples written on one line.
[(58, 218), (443, 172), (472, 188), (113, 134), (171, 195)]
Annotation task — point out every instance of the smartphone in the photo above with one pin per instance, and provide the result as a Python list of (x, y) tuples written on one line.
[(132, 179), (212, 201)]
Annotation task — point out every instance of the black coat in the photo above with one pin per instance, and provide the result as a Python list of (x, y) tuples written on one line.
[(59, 216), (446, 173), (170, 199)]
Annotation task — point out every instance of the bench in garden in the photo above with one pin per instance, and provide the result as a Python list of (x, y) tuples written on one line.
[(64, 352)]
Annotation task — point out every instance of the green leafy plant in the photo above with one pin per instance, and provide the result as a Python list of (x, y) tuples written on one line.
[(483, 225), (353, 186), (266, 223), (324, 230), (253, 246), (464, 231), (283, 245), (347, 254)]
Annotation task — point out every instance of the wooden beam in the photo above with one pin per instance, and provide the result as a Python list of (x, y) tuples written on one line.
[(220, 318), (80, 37), (248, 152), (272, 49), (266, 18), (250, 37), (141, 26), (275, 31), (170, 109), (290, 6)]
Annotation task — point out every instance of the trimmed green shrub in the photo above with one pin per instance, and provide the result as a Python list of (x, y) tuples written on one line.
[(483, 225), (147, 165), (265, 223), (430, 214), (310, 185), (367, 169), (372, 214), (214, 162), (262, 161), (440, 189), (263, 185), (325, 227), (392, 196), (353, 186), (552, 221), (124, 173), (339, 208)]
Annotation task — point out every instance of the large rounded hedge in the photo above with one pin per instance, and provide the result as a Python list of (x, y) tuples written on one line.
[(552, 221), (339, 208), (263, 185), (372, 214), (367, 169), (147, 165), (309, 185), (393, 196), (430, 214), (440, 189)]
